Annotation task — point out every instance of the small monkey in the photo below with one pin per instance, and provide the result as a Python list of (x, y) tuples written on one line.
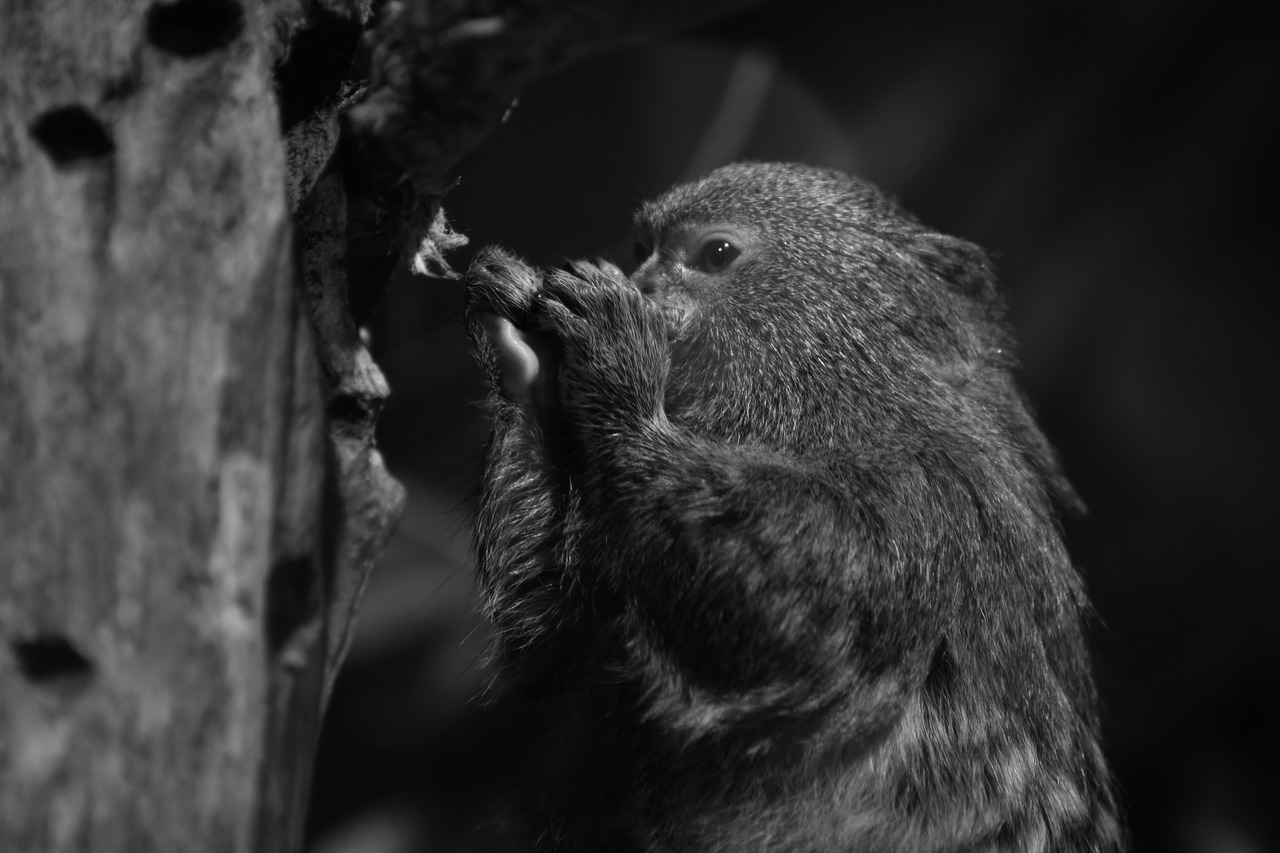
[(768, 538)]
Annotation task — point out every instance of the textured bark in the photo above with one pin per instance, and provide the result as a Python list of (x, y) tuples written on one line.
[(163, 571), (190, 494)]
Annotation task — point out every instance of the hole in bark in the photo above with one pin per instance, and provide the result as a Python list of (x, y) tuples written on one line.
[(291, 600), (315, 65), (189, 28), (120, 88), (71, 134), (347, 409), (52, 661)]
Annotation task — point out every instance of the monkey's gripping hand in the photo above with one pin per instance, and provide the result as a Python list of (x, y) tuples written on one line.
[(583, 340), (501, 291), (614, 348)]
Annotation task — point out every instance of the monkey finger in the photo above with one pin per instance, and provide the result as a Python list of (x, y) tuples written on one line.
[(599, 273), (573, 292), (614, 272), (498, 282), (549, 313)]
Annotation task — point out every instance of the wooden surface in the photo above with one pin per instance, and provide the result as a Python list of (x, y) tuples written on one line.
[(191, 498), (161, 443)]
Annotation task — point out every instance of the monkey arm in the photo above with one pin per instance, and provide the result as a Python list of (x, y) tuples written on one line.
[(522, 542), (761, 591)]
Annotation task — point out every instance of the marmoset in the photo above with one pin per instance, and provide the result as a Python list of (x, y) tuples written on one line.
[(769, 540)]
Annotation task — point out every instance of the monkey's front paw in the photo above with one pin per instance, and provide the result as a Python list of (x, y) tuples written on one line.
[(501, 290), (615, 351), (500, 283)]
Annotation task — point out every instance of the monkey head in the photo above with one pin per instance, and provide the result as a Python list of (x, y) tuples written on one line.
[(803, 309), (800, 296)]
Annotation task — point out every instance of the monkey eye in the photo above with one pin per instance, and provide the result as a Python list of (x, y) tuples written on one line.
[(716, 254)]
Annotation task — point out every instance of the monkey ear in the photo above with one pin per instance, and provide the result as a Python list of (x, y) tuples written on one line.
[(964, 267)]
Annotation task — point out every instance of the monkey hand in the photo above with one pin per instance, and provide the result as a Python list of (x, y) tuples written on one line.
[(614, 347), (501, 291)]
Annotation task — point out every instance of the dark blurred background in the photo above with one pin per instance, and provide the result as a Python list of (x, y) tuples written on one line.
[(1120, 160)]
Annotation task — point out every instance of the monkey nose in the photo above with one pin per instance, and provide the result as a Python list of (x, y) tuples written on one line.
[(651, 281)]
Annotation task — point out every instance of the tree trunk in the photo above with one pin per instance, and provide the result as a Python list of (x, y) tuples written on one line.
[(163, 561), (190, 496)]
